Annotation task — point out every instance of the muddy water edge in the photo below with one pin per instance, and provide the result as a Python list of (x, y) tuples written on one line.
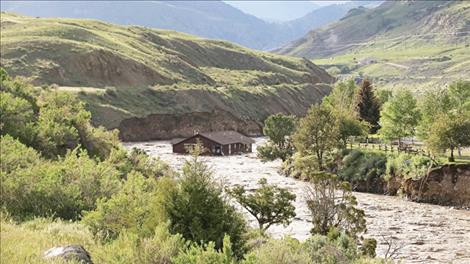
[(422, 233)]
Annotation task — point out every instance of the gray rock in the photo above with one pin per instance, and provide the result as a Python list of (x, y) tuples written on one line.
[(70, 252)]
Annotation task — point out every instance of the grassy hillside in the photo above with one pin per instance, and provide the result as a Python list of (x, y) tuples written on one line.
[(419, 44), (134, 72)]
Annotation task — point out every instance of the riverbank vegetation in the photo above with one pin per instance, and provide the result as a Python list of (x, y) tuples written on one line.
[(376, 141)]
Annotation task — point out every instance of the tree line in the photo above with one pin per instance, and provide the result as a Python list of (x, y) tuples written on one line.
[(440, 118)]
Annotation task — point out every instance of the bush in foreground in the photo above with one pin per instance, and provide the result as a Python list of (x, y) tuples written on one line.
[(32, 186), (199, 212)]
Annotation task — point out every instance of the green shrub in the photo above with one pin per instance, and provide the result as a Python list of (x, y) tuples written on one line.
[(368, 247), (279, 129), (17, 118), (337, 247), (340, 249), (130, 248), (32, 186), (148, 166), (279, 251), (52, 122), (269, 204), (359, 166), (160, 248), (206, 254), (408, 166), (98, 141), (61, 116), (18, 88), (15, 155), (136, 208), (199, 211)]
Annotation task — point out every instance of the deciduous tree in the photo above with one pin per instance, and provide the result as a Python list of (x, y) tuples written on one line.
[(317, 134), (278, 128), (333, 206), (448, 133), (269, 204), (399, 117), (349, 126)]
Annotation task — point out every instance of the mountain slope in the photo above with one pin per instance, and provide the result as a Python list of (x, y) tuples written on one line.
[(134, 77), (275, 10), (209, 19), (317, 18), (399, 43)]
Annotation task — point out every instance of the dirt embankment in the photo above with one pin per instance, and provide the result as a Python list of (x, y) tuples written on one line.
[(179, 113), (447, 185), (167, 126)]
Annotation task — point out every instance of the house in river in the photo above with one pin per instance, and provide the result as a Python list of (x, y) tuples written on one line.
[(216, 143)]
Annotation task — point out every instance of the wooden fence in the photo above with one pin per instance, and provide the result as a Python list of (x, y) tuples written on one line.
[(410, 149)]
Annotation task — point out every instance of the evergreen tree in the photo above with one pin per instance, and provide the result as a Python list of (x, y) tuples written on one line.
[(368, 106)]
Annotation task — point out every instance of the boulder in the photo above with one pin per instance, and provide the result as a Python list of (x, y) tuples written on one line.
[(70, 252)]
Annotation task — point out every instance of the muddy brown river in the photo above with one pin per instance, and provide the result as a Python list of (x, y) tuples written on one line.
[(422, 233)]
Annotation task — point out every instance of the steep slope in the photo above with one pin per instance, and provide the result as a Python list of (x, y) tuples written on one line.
[(148, 75), (420, 44), (209, 19)]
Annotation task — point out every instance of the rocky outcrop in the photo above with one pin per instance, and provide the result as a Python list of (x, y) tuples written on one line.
[(69, 253), (167, 126), (446, 185)]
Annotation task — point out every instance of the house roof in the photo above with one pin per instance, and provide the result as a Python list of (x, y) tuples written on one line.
[(222, 137), (177, 140), (228, 137)]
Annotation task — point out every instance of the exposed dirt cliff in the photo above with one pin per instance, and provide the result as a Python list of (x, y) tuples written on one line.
[(447, 185), (178, 113), (168, 126)]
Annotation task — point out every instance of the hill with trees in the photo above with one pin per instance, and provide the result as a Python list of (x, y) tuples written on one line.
[(131, 77), (417, 44)]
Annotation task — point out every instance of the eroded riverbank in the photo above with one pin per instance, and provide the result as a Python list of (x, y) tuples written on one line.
[(425, 233)]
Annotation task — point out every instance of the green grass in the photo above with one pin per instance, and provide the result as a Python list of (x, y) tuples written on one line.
[(443, 158), (424, 66), (27, 242)]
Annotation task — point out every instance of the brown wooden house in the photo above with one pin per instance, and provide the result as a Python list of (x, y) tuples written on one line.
[(216, 143)]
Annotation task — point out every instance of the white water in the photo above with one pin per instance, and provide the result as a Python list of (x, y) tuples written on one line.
[(426, 233)]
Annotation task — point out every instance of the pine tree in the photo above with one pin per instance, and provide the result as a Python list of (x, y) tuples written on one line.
[(368, 106)]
